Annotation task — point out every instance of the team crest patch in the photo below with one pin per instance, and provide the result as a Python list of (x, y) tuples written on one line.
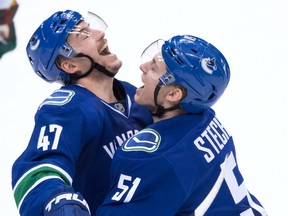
[(59, 98), (147, 140)]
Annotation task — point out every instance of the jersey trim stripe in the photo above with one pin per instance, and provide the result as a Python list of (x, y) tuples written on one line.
[(129, 103), (35, 176), (203, 207)]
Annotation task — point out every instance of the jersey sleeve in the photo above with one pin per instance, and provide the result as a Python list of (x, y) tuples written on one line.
[(48, 163), (136, 190)]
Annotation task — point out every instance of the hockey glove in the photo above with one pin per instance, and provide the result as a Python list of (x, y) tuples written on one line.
[(67, 203)]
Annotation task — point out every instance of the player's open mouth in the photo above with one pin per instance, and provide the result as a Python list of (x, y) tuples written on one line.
[(105, 50), (139, 88)]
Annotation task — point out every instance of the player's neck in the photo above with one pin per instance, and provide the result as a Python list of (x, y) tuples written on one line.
[(168, 115), (102, 88)]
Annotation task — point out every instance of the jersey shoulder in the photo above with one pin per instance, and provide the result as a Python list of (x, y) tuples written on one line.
[(160, 137), (67, 97)]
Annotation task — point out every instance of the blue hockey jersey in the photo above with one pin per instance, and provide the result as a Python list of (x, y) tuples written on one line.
[(185, 165), (72, 144)]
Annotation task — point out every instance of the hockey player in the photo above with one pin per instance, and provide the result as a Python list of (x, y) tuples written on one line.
[(8, 42), (185, 163), (65, 168)]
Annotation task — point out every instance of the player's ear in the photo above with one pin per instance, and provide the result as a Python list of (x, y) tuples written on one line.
[(66, 64), (175, 94), (69, 67)]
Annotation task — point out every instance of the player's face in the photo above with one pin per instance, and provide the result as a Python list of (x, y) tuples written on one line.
[(92, 42), (151, 72)]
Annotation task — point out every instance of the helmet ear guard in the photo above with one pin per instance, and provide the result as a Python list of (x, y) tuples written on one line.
[(199, 67)]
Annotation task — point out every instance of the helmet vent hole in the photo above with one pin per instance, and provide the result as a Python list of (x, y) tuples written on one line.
[(39, 73), (211, 96), (193, 50), (31, 60)]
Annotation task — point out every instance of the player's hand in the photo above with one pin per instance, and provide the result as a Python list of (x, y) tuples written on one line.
[(67, 204)]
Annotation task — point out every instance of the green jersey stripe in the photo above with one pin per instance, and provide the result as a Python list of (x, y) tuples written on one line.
[(35, 176)]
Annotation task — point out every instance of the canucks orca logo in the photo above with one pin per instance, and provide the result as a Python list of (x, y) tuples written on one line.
[(147, 140), (208, 65), (34, 42)]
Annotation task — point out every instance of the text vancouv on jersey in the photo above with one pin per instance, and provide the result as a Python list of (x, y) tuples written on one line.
[(212, 140), (117, 142)]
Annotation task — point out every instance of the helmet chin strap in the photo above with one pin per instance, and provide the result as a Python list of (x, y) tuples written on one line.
[(160, 109), (94, 65)]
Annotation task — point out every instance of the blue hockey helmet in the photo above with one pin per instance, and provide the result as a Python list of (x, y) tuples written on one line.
[(196, 65), (50, 40)]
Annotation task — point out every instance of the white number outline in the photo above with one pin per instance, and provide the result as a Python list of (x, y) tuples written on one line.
[(43, 140), (238, 192), (124, 188)]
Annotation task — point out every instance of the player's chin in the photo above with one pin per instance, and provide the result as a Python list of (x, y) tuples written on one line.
[(115, 66), (138, 97), (139, 93)]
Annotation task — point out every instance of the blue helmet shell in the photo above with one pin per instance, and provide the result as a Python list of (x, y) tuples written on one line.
[(199, 67), (48, 42)]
